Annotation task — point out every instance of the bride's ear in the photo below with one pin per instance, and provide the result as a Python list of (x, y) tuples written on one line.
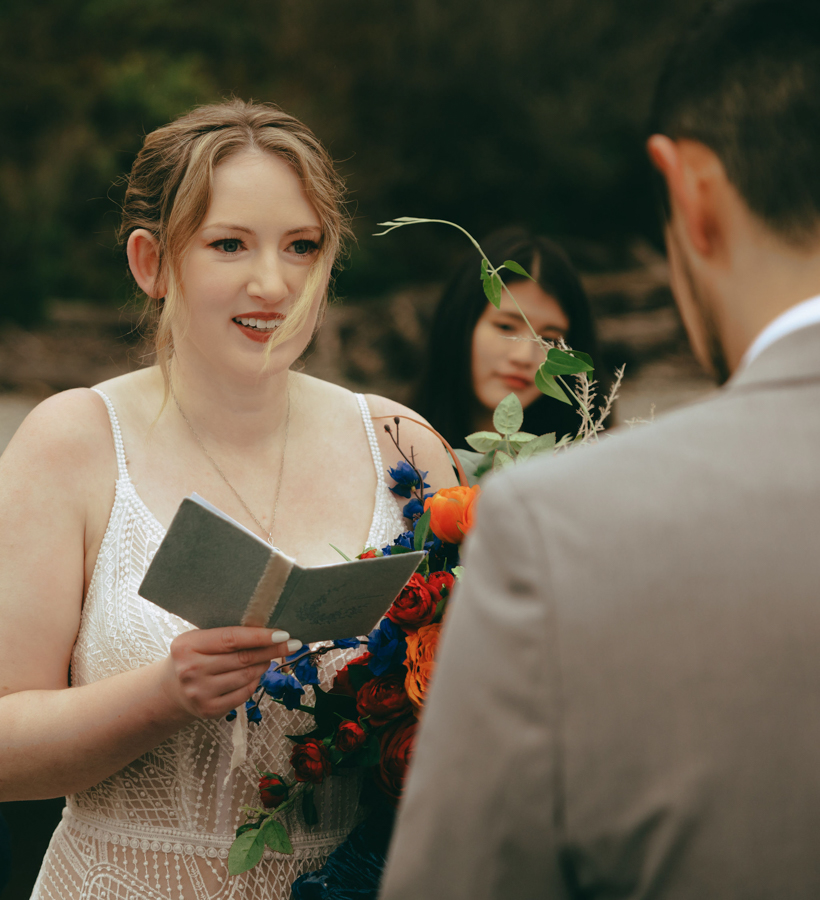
[(143, 259)]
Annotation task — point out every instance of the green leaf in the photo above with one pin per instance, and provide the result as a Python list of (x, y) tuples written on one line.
[(458, 571), (359, 675), (246, 851), (399, 549), (440, 607), (502, 461), (276, 837), (509, 415), (329, 707), (484, 466), (492, 288), (519, 270), (547, 384), (343, 555), (309, 807), (248, 826), (543, 444), (483, 441), (422, 529), (560, 363), (368, 754), (585, 357), (522, 437)]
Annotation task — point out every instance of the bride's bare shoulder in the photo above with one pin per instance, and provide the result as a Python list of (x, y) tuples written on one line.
[(64, 429), (414, 433)]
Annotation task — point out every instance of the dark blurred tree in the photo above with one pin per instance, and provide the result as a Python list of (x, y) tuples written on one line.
[(485, 113)]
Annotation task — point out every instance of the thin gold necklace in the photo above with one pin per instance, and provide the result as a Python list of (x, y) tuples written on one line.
[(224, 477)]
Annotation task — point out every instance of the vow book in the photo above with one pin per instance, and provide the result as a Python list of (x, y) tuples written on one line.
[(212, 571)]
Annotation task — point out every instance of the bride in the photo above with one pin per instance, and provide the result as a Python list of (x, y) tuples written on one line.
[(233, 220)]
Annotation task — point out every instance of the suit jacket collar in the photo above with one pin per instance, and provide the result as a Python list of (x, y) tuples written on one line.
[(793, 359)]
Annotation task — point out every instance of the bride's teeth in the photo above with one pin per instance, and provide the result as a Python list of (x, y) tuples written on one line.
[(252, 323)]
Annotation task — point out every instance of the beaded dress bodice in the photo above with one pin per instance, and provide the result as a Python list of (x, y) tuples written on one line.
[(162, 826)]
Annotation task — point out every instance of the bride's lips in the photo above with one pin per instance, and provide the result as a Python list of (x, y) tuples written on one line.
[(255, 334), (515, 382)]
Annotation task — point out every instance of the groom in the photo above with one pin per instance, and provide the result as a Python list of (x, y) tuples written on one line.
[(627, 699)]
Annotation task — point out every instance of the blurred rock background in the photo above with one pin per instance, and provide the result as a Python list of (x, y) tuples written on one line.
[(485, 113)]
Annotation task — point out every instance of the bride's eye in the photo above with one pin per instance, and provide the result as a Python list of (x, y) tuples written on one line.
[(304, 247), (228, 245)]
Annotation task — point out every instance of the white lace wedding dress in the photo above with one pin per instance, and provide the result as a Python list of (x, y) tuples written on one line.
[(161, 827)]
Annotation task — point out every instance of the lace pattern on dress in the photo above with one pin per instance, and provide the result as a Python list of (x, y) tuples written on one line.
[(162, 826)]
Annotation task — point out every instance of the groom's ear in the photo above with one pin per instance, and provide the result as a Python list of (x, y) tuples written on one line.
[(696, 182)]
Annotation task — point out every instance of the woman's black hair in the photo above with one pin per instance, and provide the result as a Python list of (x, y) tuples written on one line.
[(445, 395)]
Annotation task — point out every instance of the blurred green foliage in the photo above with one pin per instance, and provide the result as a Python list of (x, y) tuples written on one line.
[(484, 113)]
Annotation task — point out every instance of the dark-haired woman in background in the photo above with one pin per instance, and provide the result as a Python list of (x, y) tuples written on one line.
[(478, 354)]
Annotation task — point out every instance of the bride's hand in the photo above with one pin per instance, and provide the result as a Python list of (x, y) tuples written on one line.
[(210, 672)]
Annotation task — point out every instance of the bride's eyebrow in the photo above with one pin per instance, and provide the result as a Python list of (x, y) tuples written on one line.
[(227, 226)]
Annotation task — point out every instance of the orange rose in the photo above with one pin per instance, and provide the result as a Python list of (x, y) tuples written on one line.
[(452, 512), (421, 651)]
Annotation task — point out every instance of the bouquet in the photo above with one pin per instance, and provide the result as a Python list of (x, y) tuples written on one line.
[(368, 719)]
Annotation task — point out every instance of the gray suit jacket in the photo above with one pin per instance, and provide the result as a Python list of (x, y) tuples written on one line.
[(627, 700)]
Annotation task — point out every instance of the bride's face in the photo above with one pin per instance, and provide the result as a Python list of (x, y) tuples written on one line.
[(247, 266)]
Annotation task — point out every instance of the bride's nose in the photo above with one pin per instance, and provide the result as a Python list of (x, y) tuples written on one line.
[(267, 278)]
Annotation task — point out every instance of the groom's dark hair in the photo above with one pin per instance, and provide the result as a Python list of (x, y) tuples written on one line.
[(744, 80)]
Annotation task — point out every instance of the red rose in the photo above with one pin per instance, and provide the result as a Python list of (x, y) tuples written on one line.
[(349, 737), (368, 554), (414, 606), (310, 761), (396, 749), (440, 585), (342, 682), (273, 790), (383, 699)]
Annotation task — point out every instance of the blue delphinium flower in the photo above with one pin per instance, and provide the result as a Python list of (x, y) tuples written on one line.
[(406, 479), (346, 643), (388, 646), (252, 711), (282, 686), (304, 669), (413, 509)]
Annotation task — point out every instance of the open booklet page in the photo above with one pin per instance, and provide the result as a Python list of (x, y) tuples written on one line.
[(212, 571)]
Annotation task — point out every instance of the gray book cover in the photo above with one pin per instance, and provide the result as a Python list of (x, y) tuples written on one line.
[(212, 571)]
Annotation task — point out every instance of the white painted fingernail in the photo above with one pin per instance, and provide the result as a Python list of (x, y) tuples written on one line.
[(294, 645), (279, 637)]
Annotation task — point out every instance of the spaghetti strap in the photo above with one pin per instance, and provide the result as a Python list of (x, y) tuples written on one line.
[(371, 436), (122, 468)]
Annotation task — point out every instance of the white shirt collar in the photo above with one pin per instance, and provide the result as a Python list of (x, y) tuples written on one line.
[(796, 317)]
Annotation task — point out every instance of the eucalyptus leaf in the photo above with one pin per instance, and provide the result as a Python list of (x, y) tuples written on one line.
[(547, 384), (519, 270), (276, 837), (483, 441), (543, 444), (422, 529), (502, 461), (246, 851), (509, 415)]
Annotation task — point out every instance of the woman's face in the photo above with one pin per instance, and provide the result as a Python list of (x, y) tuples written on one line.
[(248, 263), (503, 360)]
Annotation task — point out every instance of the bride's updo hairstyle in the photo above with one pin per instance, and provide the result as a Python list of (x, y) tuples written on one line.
[(169, 190)]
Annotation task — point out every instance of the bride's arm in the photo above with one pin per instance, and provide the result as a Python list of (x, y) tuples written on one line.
[(55, 739)]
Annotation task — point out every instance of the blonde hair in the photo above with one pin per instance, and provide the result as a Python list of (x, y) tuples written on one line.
[(169, 190)]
